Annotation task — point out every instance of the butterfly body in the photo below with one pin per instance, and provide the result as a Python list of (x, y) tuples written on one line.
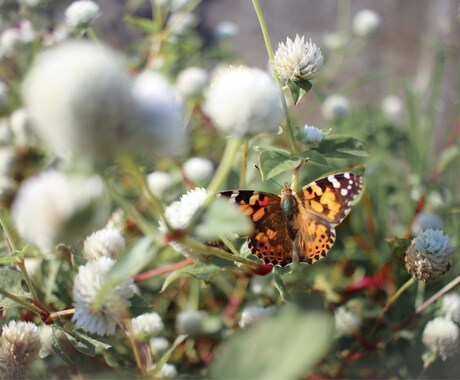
[(297, 226)]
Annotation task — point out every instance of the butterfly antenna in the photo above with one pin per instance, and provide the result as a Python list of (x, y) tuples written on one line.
[(271, 179)]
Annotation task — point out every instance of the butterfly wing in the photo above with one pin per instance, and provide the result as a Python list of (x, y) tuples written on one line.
[(324, 204), (270, 240)]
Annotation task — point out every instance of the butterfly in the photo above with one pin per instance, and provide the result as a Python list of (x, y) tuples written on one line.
[(298, 226)]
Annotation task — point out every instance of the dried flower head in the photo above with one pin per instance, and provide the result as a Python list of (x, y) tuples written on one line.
[(297, 60), (451, 306), (107, 242), (429, 255), (441, 335), (82, 13), (87, 284)]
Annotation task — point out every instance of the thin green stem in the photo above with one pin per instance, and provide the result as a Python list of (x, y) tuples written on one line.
[(20, 301), (29, 282), (244, 163), (229, 245), (420, 294), (268, 45), (6, 231)]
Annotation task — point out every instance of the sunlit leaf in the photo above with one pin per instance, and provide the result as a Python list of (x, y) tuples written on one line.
[(340, 146), (273, 163)]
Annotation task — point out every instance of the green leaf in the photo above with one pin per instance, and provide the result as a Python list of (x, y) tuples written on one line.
[(164, 359), (298, 89), (83, 345), (314, 157), (61, 345), (285, 346), (8, 258), (139, 305), (272, 148), (89, 341), (223, 218), (143, 24), (272, 163), (447, 156), (341, 146), (11, 280), (201, 271)]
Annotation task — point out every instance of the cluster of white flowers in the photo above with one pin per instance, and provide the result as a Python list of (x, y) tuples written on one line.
[(149, 324), (160, 183)]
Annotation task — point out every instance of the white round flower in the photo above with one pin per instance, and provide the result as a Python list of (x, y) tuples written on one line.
[(335, 107), (347, 322), (158, 127), (253, 314), (441, 335), (297, 60), (167, 371), (198, 169), (87, 284), (10, 39), (192, 81), (334, 41), (366, 22), (392, 107), (190, 322), (311, 135), (429, 256), (160, 183), (21, 126), (425, 220), (226, 29), (79, 98), (81, 14), (158, 345), (149, 324), (244, 101), (52, 208), (27, 31), (451, 306), (107, 242)]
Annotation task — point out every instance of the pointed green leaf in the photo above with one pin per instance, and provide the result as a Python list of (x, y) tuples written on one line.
[(314, 157), (341, 146), (60, 345), (447, 156), (295, 91), (273, 163), (201, 271), (139, 305), (143, 24), (83, 345)]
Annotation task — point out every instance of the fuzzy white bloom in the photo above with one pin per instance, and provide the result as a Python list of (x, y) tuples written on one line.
[(335, 107), (253, 314), (158, 126), (297, 60), (19, 346), (429, 255), (160, 183), (82, 13), (244, 101), (311, 135), (366, 22), (190, 322), (52, 207), (192, 81), (451, 306), (12, 38), (392, 107), (149, 324), (21, 127), (26, 31), (347, 322), (425, 220), (198, 169), (79, 98), (4, 91), (167, 371), (87, 284), (158, 344), (107, 242), (226, 29), (441, 335)]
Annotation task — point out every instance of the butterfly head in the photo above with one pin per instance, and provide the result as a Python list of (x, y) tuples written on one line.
[(287, 200)]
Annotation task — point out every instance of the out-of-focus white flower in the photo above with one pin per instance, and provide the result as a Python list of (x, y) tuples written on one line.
[(198, 169), (335, 107), (425, 220), (51, 208), (244, 101), (334, 41), (82, 13), (21, 126), (160, 183), (226, 29), (366, 22), (26, 31), (107, 242), (12, 38), (149, 324), (441, 335), (19, 346), (392, 107), (4, 91), (87, 284), (429, 255), (168, 371), (180, 22), (190, 322), (192, 81), (347, 322), (253, 314), (56, 36), (158, 344), (451, 306), (311, 135), (158, 127), (297, 60), (79, 98)]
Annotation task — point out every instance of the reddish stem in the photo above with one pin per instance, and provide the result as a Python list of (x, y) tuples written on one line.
[(166, 269)]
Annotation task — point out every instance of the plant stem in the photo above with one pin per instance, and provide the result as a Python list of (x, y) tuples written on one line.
[(244, 163), (7, 232), (163, 270), (62, 313), (21, 302)]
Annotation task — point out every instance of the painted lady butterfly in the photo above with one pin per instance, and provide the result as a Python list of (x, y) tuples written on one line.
[(298, 226)]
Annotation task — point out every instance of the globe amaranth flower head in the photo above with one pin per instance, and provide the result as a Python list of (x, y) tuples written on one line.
[(297, 60), (19, 346), (311, 135), (87, 284), (192, 81), (425, 220), (149, 324), (82, 14), (441, 335), (366, 22), (450, 307), (198, 169), (107, 242), (160, 183), (429, 255), (244, 101), (53, 208)]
